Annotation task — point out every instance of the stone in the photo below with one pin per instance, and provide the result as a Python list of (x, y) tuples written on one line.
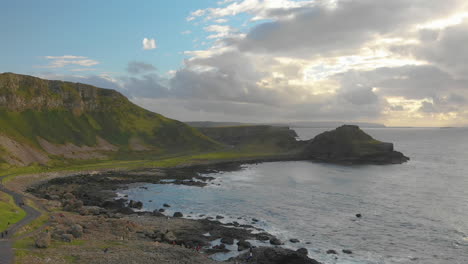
[(169, 237), (227, 240), (275, 241), (294, 240), (43, 240), (243, 245), (67, 237), (332, 251), (76, 230), (166, 205), (347, 251), (178, 214), (303, 251)]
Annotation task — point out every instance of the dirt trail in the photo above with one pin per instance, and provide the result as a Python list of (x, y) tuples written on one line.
[(6, 250)]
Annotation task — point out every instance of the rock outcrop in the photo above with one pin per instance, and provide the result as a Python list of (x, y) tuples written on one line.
[(350, 145), (267, 255)]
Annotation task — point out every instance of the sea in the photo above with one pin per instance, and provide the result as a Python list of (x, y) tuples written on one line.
[(416, 212)]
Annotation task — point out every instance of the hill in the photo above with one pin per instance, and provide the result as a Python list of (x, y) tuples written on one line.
[(349, 144), (43, 121)]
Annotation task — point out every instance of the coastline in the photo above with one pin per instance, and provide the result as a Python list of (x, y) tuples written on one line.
[(188, 230)]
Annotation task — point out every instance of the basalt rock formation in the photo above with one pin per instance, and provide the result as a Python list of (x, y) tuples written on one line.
[(350, 145)]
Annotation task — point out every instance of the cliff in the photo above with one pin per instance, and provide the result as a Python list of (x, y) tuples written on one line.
[(349, 144), (255, 137), (42, 120)]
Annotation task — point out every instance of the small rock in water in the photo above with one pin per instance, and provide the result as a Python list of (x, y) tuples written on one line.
[(219, 217), (332, 251), (275, 241), (302, 251), (347, 251), (227, 240), (358, 215), (243, 245), (254, 220), (294, 240), (178, 214), (162, 210), (166, 205), (263, 237)]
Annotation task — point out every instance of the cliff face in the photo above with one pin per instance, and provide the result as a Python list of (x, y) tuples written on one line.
[(22, 92), (349, 144), (78, 121)]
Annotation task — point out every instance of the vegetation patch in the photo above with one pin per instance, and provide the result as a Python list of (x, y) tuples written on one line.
[(10, 213)]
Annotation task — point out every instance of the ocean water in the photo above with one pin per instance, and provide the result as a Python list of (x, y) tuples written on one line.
[(416, 212)]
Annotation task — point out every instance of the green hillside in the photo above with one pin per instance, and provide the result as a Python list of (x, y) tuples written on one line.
[(54, 118)]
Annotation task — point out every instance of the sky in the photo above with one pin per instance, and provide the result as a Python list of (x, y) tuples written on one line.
[(399, 62)]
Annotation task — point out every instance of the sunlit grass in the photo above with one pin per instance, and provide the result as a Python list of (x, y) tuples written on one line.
[(9, 211)]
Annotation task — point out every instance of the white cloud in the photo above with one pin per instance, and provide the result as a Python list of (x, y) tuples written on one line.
[(62, 61), (149, 44), (186, 32)]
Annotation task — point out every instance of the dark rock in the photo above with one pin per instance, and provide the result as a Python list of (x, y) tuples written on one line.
[(347, 251), (349, 144), (157, 213), (303, 251), (166, 205), (126, 211), (178, 214), (275, 241), (161, 210), (358, 215), (135, 204), (227, 240), (268, 255), (243, 245), (219, 217), (263, 237), (294, 240), (254, 220), (332, 251)]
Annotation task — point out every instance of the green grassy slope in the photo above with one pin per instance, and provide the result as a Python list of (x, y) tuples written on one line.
[(64, 112)]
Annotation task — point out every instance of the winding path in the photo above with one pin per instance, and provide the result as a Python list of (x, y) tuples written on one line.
[(6, 250)]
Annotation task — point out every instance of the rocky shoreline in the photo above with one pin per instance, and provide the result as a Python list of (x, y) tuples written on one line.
[(92, 199)]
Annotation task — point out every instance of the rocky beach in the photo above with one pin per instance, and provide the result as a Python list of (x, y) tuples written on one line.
[(95, 214)]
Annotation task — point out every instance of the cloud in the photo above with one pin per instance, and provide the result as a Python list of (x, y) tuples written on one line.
[(186, 32), (149, 44), (62, 61), (138, 67)]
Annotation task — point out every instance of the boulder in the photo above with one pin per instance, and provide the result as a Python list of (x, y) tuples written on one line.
[(67, 237), (43, 240), (275, 241), (243, 245), (169, 237), (178, 214), (227, 240), (347, 251), (303, 251), (332, 251), (294, 240), (76, 230)]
